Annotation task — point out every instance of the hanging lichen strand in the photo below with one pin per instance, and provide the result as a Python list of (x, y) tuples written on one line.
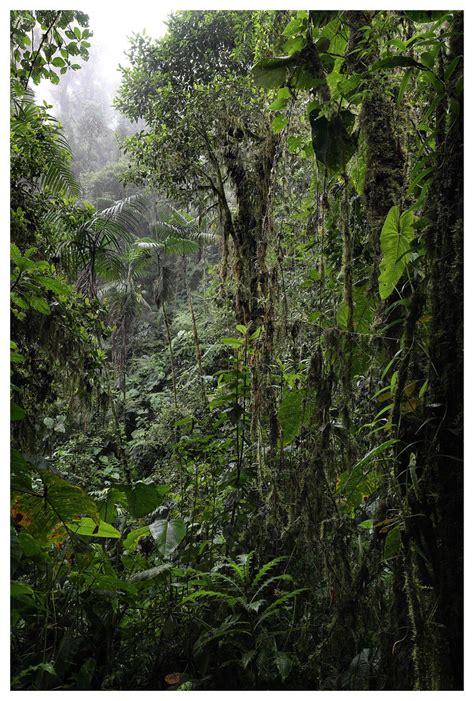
[(237, 370)]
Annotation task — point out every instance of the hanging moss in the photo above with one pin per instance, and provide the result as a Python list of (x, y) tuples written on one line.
[(384, 181)]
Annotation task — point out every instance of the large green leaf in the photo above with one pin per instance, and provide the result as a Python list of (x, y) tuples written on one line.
[(55, 285), (392, 544), (273, 72), (332, 143), (20, 473), (40, 305), (290, 415), (168, 534), (17, 413), (53, 503), (397, 62), (20, 589), (395, 243), (134, 537), (86, 526), (143, 498), (284, 664)]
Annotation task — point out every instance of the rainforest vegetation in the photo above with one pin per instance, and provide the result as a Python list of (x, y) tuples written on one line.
[(236, 347)]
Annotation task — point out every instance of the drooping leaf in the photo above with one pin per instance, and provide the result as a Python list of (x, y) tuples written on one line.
[(267, 567), (247, 657), (57, 286), (40, 305), (232, 342), (53, 503), (19, 589), (392, 543), (273, 72), (294, 44), (16, 357), (332, 143), (395, 243), (290, 415), (368, 523), (209, 593), (362, 479), (273, 608), (168, 534), (397, 62), (284, 664), (144, 498), (279, 123)]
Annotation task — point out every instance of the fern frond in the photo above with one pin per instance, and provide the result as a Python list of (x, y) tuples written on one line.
[(279, 602), (267, 567), (271, 580)]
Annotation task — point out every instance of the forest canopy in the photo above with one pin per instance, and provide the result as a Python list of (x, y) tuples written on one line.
[(236, 353)]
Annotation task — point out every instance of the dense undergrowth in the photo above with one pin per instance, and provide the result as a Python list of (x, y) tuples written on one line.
[(237, 355)]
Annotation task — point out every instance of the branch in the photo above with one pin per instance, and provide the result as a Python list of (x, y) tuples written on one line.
[(43, 39)]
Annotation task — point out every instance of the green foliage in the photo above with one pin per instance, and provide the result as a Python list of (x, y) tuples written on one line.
[(249, 604), (50, 504), (363, 311), (37, 142), (332, 143), (46, 39), (88, 527), (395, 242), (143, 498), (290, 414), (168, 534), (204, 368), (362, 479)]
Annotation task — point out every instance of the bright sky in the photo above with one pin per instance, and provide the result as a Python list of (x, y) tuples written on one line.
[(110, 40), (111, 30)]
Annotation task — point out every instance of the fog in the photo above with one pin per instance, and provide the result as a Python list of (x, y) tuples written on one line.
[(109, 45), (83, 99)]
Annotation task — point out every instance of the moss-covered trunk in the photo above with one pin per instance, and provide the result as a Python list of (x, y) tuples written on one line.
[(251, 182), (439, 584)]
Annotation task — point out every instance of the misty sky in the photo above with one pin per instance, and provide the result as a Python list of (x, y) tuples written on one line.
[(111, 30), (109, 42)]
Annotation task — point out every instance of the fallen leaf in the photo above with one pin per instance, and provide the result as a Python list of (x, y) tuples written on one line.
[(173, 678)]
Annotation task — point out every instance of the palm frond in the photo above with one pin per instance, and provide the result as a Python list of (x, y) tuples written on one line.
[(180, 246), (147, 244), (59, 178), (28, 118), (127, 213)]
